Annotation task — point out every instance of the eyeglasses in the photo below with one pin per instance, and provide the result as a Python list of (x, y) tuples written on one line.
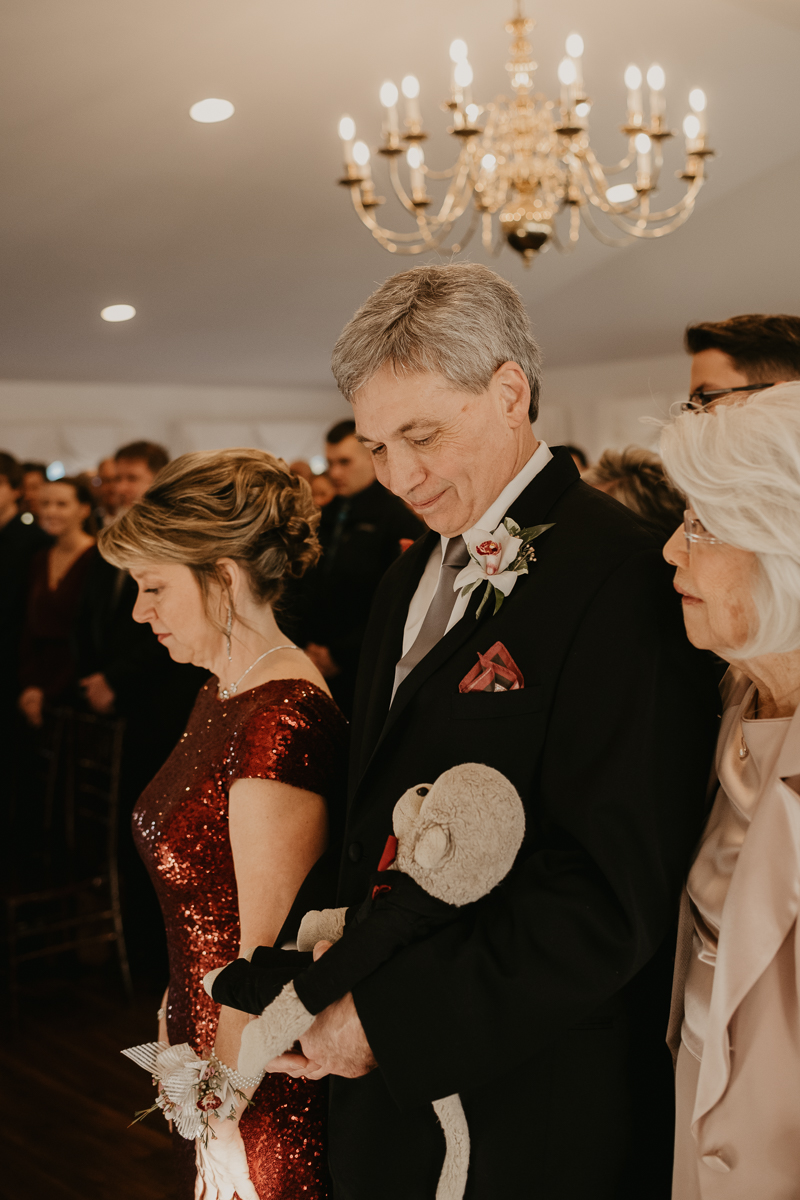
[(700, 399), (695, 531)]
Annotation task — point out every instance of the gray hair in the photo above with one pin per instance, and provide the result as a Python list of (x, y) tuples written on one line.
[(739, 466), (461, 321)]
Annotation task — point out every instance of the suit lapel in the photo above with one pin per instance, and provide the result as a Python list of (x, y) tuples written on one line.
[(531, 507)]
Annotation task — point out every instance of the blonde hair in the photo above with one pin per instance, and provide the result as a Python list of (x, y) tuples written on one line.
[(739, 466), (240, 504), (461, 321)]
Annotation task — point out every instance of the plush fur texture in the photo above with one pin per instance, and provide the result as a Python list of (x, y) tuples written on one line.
[(264, 1040), (458, 837), (455, 1168), (320, 926)]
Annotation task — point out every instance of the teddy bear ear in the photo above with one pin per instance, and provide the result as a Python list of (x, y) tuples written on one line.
[(432, 846)]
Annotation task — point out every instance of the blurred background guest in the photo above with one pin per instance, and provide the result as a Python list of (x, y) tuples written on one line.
[(578, 457), (302, 469), (737, 355), (104, 486), (137, 465), (19, 542), (47, 658), (637, 479), (735, 1022), (322, 490), (360, 532), (34, 477)]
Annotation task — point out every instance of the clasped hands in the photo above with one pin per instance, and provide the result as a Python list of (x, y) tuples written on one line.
[(334, 1045)]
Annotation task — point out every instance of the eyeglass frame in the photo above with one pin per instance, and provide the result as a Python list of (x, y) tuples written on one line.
[(690, 536), (700, 400)]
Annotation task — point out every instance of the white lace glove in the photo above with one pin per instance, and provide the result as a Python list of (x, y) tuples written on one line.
[(222, 1171)]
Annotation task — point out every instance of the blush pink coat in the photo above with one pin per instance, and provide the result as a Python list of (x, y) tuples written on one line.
[(746, 1118)]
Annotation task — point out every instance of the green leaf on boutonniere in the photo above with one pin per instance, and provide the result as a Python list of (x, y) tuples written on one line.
[(465, 591), (486, 595), (499, 597)]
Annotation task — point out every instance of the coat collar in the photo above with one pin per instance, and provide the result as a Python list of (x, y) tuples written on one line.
[(762, 902), (531, 507)]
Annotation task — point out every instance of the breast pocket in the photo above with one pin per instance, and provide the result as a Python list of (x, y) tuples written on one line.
[(483, 706)]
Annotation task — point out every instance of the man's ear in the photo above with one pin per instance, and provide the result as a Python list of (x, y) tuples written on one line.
[(515, 393), (432, 847)]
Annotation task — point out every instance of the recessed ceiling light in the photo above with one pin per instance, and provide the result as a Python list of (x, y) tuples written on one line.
[(118, 312), (209, 111)]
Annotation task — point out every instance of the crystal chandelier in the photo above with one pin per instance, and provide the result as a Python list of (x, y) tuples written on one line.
[(526, 161)]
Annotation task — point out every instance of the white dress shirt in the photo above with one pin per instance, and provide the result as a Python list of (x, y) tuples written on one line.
[(421, 600)]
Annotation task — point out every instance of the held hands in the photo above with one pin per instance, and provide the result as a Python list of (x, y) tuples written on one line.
[(336, 1043), (222, 1171)]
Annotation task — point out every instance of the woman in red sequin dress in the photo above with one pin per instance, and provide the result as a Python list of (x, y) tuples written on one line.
[(238, 814)]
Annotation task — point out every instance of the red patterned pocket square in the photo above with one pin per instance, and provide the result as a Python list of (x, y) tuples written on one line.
[(495, 671)]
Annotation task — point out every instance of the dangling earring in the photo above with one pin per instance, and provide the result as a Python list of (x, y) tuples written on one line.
[(228, 632)]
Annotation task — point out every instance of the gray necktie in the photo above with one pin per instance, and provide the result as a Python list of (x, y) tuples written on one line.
[(456, 557)]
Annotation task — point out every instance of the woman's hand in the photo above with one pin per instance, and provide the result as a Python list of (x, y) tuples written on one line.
[(30, 704), (222, 1170)]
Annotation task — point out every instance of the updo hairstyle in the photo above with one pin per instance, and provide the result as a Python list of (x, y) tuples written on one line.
[(739, 467), (240, 504)]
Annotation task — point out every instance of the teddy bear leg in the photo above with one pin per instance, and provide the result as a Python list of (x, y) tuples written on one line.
[(326, 925), (453, 1179), (274, 1032)]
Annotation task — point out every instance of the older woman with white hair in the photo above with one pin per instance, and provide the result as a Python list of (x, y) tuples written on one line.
[(735, 1022)]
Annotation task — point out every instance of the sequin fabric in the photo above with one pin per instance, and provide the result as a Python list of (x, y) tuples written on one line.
[(286, 730)]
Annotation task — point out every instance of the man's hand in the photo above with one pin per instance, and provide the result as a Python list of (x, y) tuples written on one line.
[(321, 658), (30, 703), (99, 695), (336, 1043)]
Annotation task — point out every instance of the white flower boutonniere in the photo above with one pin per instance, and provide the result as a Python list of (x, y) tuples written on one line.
[(498, 559)]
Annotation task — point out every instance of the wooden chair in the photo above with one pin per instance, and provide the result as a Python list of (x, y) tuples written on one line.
[(77, 905)]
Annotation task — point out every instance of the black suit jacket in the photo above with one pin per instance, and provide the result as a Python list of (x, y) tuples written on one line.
[(18, 544), (544, 1005)]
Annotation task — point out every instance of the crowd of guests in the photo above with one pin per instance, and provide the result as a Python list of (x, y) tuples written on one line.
[(282, 601)]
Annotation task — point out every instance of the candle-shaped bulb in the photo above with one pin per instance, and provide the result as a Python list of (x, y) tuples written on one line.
[(463, 73), (361, 153), (656, 78), (697, 100), (691, 126), (633, 78), (574, 45), (388, 94), (347, 129), (458, 50), (488, 162), (566, 71), (414, 157), (473, 112), (410, 87), (643, 143)]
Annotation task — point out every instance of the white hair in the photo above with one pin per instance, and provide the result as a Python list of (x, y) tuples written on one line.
[(739, 466)]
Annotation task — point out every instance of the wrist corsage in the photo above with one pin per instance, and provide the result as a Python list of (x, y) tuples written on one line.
[(192, 1088), (497, 559)]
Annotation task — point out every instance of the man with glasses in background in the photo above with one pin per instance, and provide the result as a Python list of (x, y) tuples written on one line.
[(743, 354)]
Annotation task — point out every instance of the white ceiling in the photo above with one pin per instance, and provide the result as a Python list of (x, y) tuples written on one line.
[(242, 257)]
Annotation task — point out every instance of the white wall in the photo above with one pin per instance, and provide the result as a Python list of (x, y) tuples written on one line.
[(596, 406)]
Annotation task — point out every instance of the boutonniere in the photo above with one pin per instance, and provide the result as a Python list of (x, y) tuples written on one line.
[(497, 559)]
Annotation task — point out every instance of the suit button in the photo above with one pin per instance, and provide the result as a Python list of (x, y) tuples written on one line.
[(354, 852)]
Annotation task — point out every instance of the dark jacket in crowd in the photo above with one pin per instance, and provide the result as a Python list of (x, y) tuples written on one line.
[(361, 537), (18, 545), (47, 651)]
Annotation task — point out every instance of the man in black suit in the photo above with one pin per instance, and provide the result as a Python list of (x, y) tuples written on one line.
[(544, 1005), (362, 532)]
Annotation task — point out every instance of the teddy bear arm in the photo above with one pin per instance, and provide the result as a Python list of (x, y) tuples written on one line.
[(325, 925)]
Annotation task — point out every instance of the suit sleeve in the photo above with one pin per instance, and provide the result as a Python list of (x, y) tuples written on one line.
[(615, 816)]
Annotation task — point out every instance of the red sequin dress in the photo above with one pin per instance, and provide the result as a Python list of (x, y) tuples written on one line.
[(286, 730)]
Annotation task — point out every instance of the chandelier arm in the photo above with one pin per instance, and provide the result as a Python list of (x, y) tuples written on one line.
[(649, 234), (384, 235), (399, 190), (617, 167), (598, 233), (439, 174)]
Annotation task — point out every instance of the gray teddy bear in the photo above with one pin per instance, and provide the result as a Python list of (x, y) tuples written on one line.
[(454, 841)]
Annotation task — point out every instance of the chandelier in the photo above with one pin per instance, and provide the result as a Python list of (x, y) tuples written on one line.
[(525, 171)]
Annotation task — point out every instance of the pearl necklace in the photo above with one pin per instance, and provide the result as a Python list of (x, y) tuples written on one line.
[(225, 693)]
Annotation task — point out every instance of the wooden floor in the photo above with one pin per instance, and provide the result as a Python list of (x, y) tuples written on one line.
[(67, 1097)]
